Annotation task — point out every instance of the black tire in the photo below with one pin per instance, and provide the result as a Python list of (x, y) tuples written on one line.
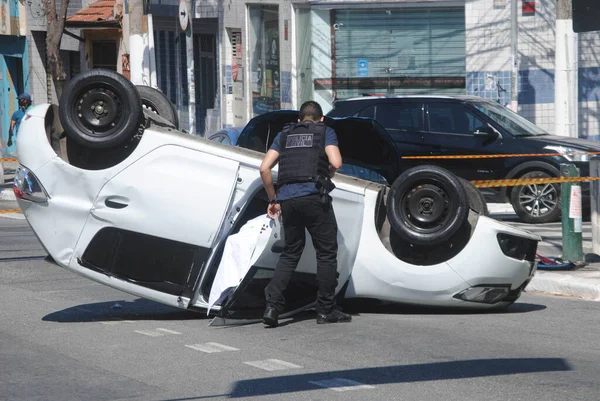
[(427, 205), (536, 203), (100, 109), (476, 199), (154, 100)]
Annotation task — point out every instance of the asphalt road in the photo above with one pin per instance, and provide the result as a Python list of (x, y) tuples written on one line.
[(63, 337)]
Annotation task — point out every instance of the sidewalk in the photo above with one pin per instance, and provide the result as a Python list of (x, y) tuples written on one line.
[(581, 283), (7, 174)]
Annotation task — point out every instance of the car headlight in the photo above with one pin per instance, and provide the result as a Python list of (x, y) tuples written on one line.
[(517, 247), (484, 294), (26, 186), (570, 154)]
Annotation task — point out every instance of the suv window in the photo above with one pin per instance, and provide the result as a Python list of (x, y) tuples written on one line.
[(452, 118), (403, 116)]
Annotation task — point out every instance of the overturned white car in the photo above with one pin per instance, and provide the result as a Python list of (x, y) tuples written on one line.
[(144, 208)]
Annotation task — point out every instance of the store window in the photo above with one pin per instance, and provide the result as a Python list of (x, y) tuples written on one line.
[(381, 51), (263, 41)]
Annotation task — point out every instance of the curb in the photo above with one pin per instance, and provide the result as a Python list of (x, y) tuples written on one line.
[(586, 285), (7, 194)]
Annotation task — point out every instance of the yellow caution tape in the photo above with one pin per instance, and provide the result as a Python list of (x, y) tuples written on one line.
[(8, 159), (500, 155), (10, 211), (517, 182)]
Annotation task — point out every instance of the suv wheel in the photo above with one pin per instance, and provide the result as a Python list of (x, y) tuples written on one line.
[(536, 203), (427, 205)]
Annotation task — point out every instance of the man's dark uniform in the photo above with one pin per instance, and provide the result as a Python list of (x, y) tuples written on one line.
[(303, 193)]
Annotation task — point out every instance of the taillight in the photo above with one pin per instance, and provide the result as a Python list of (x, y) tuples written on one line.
[(26, 186)]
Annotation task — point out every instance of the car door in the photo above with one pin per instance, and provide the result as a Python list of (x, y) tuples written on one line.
[(450, 130), (403, 120), (153, 224)]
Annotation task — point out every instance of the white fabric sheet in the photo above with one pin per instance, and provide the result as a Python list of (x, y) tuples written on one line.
[(240, 253)]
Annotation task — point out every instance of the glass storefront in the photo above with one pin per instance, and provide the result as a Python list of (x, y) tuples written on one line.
[(377, 51), (263, 40)]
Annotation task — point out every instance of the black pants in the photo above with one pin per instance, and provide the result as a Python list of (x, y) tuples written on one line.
[(307, 212)]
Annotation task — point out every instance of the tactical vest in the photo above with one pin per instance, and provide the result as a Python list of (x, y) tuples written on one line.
[(302, 156)]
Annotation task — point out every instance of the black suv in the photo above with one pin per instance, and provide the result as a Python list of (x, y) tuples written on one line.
[(470, 125)]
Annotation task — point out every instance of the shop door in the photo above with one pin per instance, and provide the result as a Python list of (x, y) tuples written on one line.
[(399, 51), (11, 79)]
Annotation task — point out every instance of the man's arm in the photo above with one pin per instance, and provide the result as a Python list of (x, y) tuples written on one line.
[(269, 161), (10, 131)]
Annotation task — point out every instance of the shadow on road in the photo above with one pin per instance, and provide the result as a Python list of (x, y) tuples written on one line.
[(376, 307), (139, 309), (390, 375)]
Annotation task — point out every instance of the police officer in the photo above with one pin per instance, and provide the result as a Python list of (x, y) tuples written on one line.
[(308, 157)]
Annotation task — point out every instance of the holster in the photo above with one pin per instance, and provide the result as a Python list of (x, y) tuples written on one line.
[(325, 186)]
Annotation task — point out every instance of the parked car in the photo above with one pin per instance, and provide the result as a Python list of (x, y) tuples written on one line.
[(152, 218), (470, 125), (227, 136)]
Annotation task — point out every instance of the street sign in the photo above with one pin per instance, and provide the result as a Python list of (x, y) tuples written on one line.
[(183, 15), (363, 68)]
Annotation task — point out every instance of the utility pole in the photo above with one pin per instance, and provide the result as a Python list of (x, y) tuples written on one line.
[(141, 47), (136, 40), (514, 41), (186, 14), (566, 68)]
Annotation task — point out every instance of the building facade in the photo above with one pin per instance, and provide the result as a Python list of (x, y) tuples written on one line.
[(277, 54)]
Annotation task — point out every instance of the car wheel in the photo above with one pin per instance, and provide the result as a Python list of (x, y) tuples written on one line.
[(100, 109), (154, 100), (427, 205), (536, 203), (476, 199)]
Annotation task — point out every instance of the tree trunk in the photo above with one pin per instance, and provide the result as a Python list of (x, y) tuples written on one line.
[(56, 25)]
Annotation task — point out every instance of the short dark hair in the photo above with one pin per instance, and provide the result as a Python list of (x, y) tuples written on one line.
[(311, 110)]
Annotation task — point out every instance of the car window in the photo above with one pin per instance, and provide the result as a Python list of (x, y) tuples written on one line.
[(403, 116), (368, 112), (363, 173), (452, 118), (221, 138)]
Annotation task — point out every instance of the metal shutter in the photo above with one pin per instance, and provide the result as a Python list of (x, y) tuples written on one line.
[(399, 51)]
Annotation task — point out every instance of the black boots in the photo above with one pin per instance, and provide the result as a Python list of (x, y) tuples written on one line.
[(270, 318), (335, 316)]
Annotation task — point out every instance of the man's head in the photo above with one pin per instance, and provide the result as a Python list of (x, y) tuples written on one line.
[(311, 110), (24, 99)]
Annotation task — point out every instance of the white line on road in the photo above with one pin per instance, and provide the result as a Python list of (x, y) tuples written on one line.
[(273, 364), (150, 333), (168, 331), (340, 384), (116, 320), (211, 347)]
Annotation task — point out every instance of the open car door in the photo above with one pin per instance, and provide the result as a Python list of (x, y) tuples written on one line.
[(368, 150)]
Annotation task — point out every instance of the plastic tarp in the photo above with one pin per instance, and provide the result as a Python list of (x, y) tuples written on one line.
[(241, 251)]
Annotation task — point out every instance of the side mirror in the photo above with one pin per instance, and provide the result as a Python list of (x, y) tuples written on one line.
[(486, 131)]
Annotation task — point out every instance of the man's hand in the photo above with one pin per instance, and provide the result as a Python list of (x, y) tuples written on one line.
[(274, 210)]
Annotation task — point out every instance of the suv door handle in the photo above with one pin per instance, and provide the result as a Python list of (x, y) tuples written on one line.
[(114, 204)]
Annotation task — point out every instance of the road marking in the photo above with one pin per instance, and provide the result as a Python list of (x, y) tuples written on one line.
[(340, 384), (156, 332), (150, 333), (273, 364), (168, 331), (116, 320), (211, 347)]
